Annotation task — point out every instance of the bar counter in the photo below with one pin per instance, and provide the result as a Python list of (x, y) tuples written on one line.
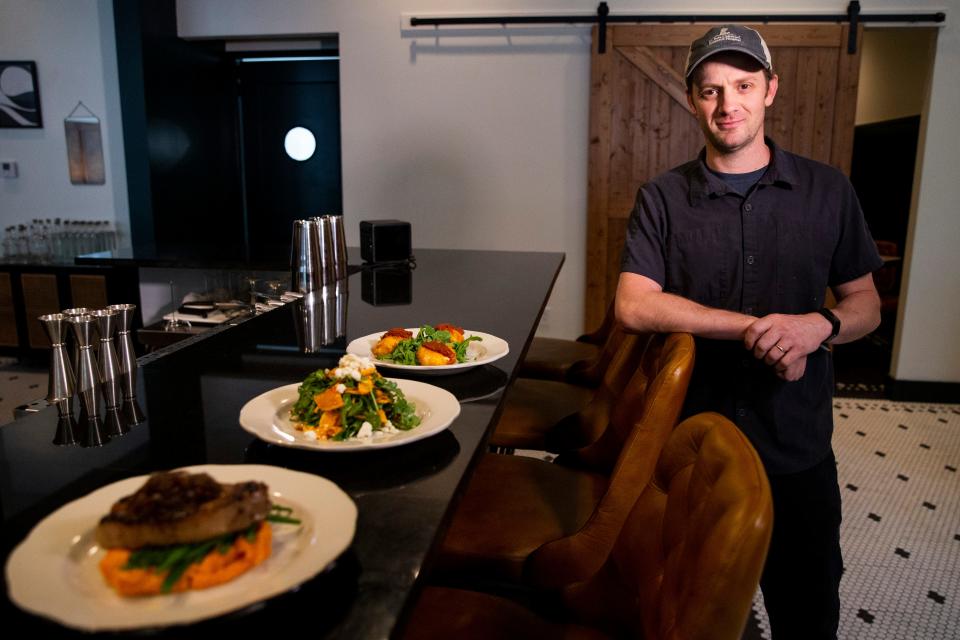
[(192, 393)]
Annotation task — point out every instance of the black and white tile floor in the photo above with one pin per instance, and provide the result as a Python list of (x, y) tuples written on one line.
[(898, 469)]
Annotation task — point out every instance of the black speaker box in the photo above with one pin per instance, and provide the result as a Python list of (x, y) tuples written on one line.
[(385, 240)]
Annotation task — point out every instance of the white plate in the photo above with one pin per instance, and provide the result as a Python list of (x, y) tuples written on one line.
[(483, 352), (55, 572), (268, 417)]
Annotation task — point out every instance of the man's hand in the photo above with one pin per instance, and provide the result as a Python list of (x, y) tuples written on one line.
[(783, 341), (794, 371)]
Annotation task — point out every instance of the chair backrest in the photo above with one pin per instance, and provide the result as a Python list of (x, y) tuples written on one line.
[(591, 371), (642, 417), (599, 335), (586, 426), (688, 560)]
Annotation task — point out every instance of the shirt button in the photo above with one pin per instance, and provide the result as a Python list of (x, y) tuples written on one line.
[(748, 310), (748, 207), (749, 259), (741, 412)]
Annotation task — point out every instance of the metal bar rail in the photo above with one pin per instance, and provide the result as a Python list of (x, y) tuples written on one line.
[(603, 18)]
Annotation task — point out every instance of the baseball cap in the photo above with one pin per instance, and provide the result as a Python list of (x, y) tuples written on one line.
[(728, 37)]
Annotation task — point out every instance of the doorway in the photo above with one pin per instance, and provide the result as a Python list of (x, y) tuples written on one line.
[(289, 119), (895, 69)]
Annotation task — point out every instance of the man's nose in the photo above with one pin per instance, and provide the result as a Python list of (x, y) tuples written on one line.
[(727, 102)]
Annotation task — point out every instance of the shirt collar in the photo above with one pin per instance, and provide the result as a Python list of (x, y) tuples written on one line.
[(782, 172)]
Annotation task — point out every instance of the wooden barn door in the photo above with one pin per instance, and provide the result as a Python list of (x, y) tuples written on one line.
[(640, 125)]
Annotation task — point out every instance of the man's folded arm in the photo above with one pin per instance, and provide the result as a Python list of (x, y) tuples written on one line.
[(642, 305)]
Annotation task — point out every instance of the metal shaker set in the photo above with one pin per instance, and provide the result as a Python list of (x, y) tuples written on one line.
[(92, 358), (318, 269)]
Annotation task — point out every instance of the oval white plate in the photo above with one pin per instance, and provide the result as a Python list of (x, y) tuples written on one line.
[(55, 571), (268, 417), (487, 350)]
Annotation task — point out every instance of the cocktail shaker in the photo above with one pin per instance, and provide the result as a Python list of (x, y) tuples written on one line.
[(128, 362), (318, 253), (339, 253), (106, 320), (62, 381), (88, 382)]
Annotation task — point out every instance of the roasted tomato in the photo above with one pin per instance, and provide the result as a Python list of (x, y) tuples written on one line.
[(456, 333), (389, 340), (435, 353)]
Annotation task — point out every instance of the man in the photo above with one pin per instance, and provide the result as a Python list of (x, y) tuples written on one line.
[(738, 247)]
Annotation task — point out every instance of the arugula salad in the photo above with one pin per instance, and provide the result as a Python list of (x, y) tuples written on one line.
[(444, 344), (351, 401)]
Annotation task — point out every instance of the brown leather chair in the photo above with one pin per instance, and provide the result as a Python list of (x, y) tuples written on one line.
[(575, 361), (523, 520), (685, 565), (554, 416)]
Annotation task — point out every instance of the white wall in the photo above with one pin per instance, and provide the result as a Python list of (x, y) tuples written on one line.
[(927, 344), (895, 66), (74, 47)]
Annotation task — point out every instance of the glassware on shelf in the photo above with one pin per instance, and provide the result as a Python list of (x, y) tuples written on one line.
[(174, 323)]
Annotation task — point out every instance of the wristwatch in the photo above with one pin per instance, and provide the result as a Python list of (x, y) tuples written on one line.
[(834, 323)]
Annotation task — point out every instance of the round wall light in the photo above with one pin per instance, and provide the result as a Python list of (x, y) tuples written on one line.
[(299, 143)]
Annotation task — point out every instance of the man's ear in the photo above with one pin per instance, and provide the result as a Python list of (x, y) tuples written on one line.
[(772, 87), (693, 109)]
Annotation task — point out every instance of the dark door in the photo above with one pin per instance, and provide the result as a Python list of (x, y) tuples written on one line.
[(277, 96)]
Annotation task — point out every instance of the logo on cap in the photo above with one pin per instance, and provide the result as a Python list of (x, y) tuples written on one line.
[(724, 35)]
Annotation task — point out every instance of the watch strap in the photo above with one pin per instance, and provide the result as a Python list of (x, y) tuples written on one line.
[(834, 323)]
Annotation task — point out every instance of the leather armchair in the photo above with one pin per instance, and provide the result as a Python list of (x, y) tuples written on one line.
[(685, 565), (526, 521), (554, 416), (572, 361)]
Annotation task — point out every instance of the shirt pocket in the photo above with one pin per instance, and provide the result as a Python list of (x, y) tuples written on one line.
[(700, 264)]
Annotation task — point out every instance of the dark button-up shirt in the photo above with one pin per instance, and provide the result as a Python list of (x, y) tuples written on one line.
[(774, 250)]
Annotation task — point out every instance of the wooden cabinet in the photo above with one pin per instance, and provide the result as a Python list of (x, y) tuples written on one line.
[(30, 291)]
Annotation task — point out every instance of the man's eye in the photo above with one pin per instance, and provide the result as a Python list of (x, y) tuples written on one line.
[(746, 86), (708, 93)]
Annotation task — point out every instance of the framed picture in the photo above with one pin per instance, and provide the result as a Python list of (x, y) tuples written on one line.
[(19, 95)]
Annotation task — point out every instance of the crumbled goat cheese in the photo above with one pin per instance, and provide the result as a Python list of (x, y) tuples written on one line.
[(366, 430)]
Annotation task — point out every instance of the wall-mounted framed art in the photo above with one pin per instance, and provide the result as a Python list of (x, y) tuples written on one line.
[(19, 95)]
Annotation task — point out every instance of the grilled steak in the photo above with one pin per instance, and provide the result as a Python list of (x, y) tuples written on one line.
[(179, 507)]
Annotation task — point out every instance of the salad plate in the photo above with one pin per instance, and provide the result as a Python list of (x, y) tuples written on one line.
[(484, 351), (55, 573), (268, 417)]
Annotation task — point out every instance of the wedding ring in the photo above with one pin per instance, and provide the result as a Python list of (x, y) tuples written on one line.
[(781, 348)]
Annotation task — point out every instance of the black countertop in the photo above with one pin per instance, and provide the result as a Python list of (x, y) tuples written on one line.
[(192, 393)]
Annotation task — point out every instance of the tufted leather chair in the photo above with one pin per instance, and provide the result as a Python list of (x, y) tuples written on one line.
[(685, 565), (526, 521), (555, 416), (574, 361)]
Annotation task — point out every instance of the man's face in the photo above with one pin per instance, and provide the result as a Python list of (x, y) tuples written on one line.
[(729, 99)]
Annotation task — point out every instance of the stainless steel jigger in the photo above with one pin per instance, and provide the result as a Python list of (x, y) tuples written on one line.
[(62, 381), (128, 363), (106, 320), (88, 382), (74, 348)]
